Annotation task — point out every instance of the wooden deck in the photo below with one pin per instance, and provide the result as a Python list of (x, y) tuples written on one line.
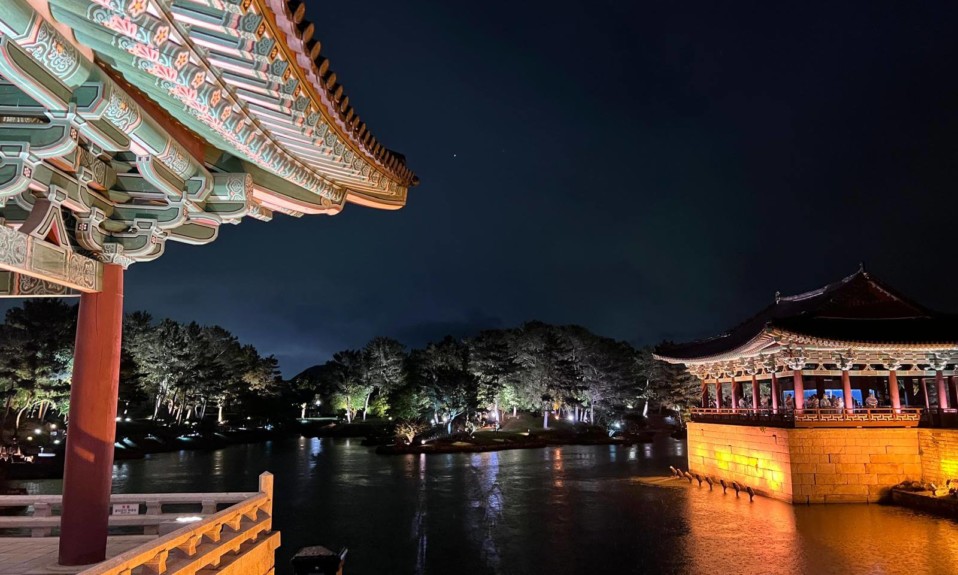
[(38, 555)]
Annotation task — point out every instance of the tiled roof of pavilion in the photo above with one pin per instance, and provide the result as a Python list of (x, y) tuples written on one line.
[(857, 310), (247, 77)]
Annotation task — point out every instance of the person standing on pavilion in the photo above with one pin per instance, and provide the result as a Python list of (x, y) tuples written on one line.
[(790, 402)]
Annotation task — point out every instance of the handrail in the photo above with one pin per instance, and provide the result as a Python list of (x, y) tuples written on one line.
[(56, 501), (817, 417), (202, 544)]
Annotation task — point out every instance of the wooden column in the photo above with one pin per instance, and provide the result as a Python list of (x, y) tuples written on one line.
[(924, 391), (88, 475), (942, 392), (705, 393), (893, 395), (775, 392), (718, 394), (755, 392), (953, 390), (734, 394), (799, 387), (847, 391), (820, 387)]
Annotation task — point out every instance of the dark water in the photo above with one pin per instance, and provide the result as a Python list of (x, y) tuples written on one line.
[(570, 510)]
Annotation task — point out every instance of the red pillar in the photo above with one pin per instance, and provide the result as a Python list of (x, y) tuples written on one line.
[(847, 391), (774, 392), (799, 387), (953, 390), (705, 393), (734, 394), (718, 394), (88, 476), (755, 392), (893, 395), (924, 391), (942, 392)]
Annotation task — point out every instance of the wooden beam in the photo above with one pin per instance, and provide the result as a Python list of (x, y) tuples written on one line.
[(16, 285), (48, 262)]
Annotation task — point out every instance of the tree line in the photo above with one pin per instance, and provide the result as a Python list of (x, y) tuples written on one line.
[(184, 372), (556, 371)]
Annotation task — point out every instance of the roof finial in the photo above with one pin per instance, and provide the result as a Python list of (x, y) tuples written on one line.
[(778, 296), (861, 267)]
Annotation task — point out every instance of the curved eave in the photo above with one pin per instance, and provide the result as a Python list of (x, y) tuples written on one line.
[(216, 102), (752, 348), (288, 22), (811, 341), (368, 201)]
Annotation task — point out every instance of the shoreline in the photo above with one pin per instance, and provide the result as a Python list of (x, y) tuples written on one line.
[(138, 440)]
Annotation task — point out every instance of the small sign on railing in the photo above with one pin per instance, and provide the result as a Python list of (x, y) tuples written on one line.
[(126, 509)]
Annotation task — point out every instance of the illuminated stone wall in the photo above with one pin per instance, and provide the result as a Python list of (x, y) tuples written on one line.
[(756, 456), (808, 465), (939, 455)]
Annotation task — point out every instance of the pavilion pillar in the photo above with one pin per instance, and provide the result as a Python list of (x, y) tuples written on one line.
[(734, 393), (847, 391), (755, 392), (924, 391), (718, 394), (893, 395), (942, 392), (88, 475), (799, 389), (953, 390), (705, 393), (774, 392), (820, 387)]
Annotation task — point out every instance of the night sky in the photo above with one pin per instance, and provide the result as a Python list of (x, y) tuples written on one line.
[(647, 170)]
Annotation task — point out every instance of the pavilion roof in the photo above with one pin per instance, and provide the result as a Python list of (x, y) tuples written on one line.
[(247, 78), (857, 311)]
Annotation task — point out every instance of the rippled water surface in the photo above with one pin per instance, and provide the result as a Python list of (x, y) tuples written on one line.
[(571, 510)]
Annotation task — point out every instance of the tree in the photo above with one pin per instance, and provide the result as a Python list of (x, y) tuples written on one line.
[(383, 361), (494, 366), (36, 357), (346, 373)]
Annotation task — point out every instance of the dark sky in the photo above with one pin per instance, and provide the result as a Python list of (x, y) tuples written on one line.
[(649, 170)]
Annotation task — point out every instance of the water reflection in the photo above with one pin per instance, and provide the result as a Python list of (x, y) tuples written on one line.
[(564, 510)]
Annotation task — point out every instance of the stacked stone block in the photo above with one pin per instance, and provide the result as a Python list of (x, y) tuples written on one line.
[(846, 465)]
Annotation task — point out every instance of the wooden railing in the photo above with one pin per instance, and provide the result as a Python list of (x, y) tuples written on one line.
[(42, 511), (829, 417), (858, 417), (237, 539)]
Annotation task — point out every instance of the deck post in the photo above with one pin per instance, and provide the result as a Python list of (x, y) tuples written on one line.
[(893, 394), (942, 392), (88, 475), (799, 387), (847, 391), (755, 392), (775, 392), (734, 395)]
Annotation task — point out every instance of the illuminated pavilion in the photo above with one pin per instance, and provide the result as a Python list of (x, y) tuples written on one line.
[(849, 339), (884, 363), (125, 124)]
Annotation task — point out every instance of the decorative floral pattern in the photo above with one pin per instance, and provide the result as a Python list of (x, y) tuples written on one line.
[(52, 52), (122, 112)]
